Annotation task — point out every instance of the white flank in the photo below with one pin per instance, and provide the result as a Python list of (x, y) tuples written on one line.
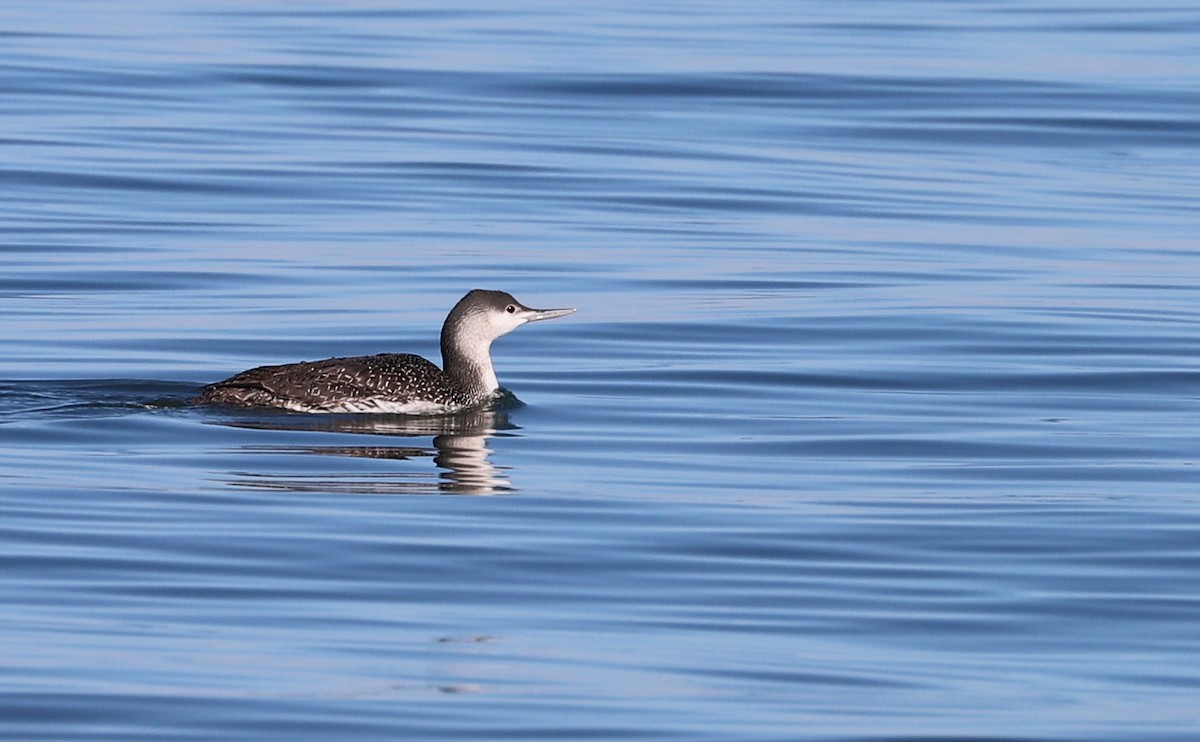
[(378, 405)]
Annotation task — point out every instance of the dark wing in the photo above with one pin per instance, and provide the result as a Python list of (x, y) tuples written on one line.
[(322, 384)]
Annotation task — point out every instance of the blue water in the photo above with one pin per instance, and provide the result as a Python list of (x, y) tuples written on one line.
[(879, 419)]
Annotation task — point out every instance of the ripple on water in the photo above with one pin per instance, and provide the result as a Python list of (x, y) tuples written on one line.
[(877, 419)]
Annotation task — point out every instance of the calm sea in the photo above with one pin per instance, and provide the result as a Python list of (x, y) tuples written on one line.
[(879, 419)]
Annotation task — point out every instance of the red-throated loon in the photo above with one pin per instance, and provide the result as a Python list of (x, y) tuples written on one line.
[(392, 382)]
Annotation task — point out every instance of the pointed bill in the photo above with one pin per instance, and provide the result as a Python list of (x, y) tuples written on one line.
[(540, 314)]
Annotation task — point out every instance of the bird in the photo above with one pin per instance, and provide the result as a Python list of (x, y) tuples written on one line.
[(396, 383)]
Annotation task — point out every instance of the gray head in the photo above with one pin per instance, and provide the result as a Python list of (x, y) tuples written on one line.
[(482, 316), (476, 320)]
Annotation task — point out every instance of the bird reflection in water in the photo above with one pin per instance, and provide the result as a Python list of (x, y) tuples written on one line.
[(459, 451)]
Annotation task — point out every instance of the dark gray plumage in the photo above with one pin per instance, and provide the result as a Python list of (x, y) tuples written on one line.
[(392, 382)]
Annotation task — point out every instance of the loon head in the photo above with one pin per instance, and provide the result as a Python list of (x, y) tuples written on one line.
[(476, 320), (482, 316)]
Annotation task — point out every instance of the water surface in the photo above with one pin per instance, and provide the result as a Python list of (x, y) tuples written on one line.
[(877, 419)]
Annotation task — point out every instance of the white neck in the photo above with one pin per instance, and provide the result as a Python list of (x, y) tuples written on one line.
[(471, 366)]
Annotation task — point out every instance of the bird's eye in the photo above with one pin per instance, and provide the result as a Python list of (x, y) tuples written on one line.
[(510, 309)]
